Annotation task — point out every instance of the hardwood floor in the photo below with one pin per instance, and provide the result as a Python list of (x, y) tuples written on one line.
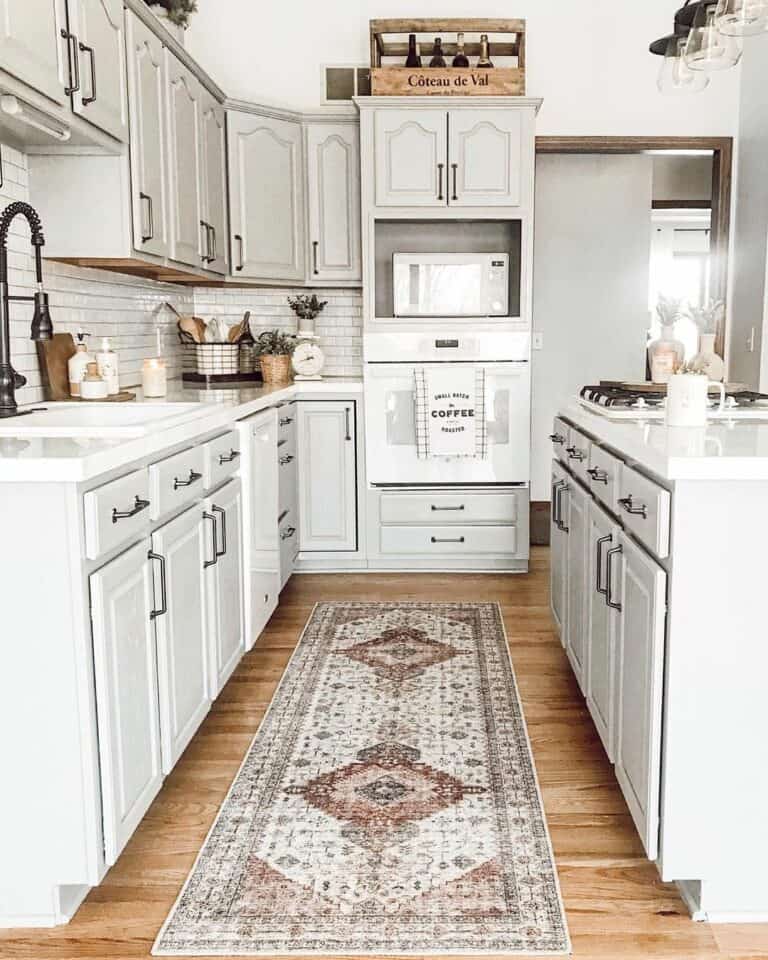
[(616, 905)]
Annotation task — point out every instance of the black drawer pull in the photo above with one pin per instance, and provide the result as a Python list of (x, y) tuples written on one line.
[(557, 438), (447, 540), (154, 614), (215, 560), (222, 552), (288, 533), (599, 564), (285, 421), (598, 475), (628, 504), (288, 458), (575, 454), (193, 478), (228, 457), (446, 509), (609, 578), (138, 506), (84, 48)]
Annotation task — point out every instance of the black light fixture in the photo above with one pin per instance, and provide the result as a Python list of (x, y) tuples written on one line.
[(41, 329)]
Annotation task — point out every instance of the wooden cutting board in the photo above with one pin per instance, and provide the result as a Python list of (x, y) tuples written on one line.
[(53, 356)]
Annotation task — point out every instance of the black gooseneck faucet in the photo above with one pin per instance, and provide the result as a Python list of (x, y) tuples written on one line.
[(42, 329)]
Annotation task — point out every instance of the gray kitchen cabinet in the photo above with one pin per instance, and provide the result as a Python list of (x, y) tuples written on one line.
[(182, 632), (411, 157), (149, 168), (32, 48), (125, 668), (485, 158), (641, 586), (333, 201), (213, 192), (101, 97), (327, 476), (183, 96), (266, 193)]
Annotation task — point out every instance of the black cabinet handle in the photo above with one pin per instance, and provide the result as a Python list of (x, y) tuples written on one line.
[(223, 551), (163, 589), (206, 232), (598, 475), (228, 457), (73, 62), (454, 168), (440, 167), (287, 533), (446, 509), (138, 506), (193, 478), (215, 560), (556, 484), (557, 438), (575, 454), (348, 433), (560, 523), (288, 458), (285, 421), (212, 247), (150, 218), (315, 245), (84, 48), (628, 504), (239, 240), (447, 540), (609, 577), (599, 561)]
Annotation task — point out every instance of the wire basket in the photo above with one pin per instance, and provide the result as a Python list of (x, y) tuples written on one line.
[(217, 359)]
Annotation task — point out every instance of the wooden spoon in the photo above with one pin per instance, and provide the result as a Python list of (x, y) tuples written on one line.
[(189, 325)]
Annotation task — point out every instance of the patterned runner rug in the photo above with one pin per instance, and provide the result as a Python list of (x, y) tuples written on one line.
[(388, 804)]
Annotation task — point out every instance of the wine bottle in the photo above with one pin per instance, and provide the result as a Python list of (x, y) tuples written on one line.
[(413, 59), (438, 60), (461, 59), (485, 52)]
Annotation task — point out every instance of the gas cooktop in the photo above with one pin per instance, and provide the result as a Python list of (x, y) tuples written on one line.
[(620, 402)]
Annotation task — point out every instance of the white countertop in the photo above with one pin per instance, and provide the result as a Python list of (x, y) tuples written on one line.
[(56, 459), (723, 450)]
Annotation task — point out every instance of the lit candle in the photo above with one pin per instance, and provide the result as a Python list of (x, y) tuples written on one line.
[(153, 377)]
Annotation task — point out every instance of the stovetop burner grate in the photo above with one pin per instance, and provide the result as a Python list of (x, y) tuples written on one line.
[(605, 395)]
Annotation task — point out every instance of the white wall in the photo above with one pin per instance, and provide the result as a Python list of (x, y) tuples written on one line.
[(682, 178), (750, 240), (589, 61)]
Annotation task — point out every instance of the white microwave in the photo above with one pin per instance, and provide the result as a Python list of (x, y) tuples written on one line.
[(451, 284)]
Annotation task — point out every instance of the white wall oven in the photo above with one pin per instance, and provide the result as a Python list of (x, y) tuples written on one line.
[(394, 433)]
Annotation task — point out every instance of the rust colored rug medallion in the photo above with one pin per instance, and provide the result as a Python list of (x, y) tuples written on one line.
[(388, 803)]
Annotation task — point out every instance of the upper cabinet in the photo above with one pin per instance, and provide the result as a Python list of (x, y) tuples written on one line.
[(183, 93), (333, 201), (32, 48), (477, 155), (213, 138), (149, 184), (98, 42), (266, 192)]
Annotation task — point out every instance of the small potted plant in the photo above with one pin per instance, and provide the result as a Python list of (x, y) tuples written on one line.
[(666, 353), (174, 14), (307, 309), (707, 319), (274, 349)]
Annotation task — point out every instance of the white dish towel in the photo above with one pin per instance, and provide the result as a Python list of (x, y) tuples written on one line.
[(450, 411)]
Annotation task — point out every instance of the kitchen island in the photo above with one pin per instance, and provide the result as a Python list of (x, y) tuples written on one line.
[(658, 588)]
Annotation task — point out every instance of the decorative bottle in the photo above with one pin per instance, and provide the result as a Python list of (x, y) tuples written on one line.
[(438, 60), (665, 354), (485, 52), (461, 59), (413, 59)]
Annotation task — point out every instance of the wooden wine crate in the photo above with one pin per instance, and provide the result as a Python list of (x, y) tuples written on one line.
[(389, 42)]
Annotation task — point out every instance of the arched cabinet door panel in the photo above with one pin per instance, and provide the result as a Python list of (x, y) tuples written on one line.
[(183, 96), (266, 195), (411, 158), (101, 97), (31, 46), (485, 158)]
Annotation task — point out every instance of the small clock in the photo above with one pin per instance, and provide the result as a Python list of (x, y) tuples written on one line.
[(308, 360)]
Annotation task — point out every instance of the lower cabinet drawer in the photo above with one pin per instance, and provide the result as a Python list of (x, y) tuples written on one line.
[(446, 541), (222, 458), (603, 476), (644, 509), (444, 508), (116, 513), (176, 481)]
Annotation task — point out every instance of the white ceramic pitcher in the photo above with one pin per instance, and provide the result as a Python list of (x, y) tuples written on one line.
[(687, 397)]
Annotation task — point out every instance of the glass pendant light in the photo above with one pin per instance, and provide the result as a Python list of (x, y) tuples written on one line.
[(742, 18), (674, 76), (707, 49)]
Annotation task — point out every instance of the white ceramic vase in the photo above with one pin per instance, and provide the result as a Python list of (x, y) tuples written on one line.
[(665, 354), (707, 360)]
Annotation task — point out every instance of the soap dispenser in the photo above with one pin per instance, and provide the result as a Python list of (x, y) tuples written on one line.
[(78, 364), (107, 360)]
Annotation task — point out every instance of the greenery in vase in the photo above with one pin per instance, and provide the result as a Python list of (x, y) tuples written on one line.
[(669, 310), (708, 317), (178, 11), (305, 307), (273, 343)]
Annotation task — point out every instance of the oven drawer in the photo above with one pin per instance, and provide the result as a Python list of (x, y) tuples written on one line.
[(222, 458), (449, 541), (559, 438), (644, 508), (603, 476), (116, 513), (577, 453), (449, 508), (175, 481)]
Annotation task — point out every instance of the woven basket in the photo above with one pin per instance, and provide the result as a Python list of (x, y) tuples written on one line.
[(276, 369)]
